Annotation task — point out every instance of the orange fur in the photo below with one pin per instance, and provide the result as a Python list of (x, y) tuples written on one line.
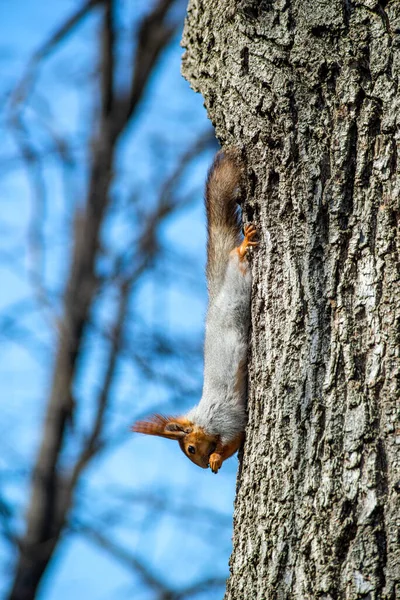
[(173, 428), (249, 233), (225, 186), (224, 451), (208, 449)]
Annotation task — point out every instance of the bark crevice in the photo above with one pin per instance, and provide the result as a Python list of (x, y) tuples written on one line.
[(309, 91)]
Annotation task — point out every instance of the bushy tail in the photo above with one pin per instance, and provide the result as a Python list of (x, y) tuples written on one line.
[(223, 189)]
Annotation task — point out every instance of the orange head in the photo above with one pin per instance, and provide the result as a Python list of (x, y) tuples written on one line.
[(193, 441)]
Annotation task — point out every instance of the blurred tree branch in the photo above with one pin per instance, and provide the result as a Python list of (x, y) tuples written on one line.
[(162, 589), (53, 488)]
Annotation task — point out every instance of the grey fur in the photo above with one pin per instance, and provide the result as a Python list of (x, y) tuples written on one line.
[(222, 408)]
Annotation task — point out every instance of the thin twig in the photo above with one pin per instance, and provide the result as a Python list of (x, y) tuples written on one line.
[(27, 82)]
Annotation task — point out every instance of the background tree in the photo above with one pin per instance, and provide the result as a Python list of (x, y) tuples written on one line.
[(310, 90), (103, 163)]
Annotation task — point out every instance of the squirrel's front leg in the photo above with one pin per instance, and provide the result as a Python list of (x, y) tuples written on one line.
[(224, 451)]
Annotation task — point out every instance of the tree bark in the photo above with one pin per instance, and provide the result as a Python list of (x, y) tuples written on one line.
[(309, 90)]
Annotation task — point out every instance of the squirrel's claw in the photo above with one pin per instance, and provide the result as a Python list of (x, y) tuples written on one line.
[(249, 229), (249, 233)]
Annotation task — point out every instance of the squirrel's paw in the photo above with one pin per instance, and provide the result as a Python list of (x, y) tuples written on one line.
[(215, 462), (249, 233)]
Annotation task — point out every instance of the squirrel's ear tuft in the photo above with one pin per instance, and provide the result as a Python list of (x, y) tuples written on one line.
[(178, 427), (173, 428)]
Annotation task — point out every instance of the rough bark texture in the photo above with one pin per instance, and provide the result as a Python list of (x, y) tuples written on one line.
[(310, 90)]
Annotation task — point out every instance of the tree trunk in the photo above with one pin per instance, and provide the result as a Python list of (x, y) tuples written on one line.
[(309, 89)]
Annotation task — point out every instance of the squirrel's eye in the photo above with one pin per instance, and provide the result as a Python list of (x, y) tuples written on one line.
[(191, 449)]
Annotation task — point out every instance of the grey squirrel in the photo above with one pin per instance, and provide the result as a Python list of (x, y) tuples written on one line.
[(213, 430)]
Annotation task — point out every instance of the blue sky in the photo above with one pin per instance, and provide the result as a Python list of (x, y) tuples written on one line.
[(180, 547)]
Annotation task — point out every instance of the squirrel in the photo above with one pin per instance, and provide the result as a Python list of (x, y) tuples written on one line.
[(213, 430)]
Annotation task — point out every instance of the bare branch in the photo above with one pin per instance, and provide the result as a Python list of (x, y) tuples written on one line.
[(122, 555), (201, 586), (23, 89), (108, 58), (52, 491), (153, 36), (133, 562), (159, 501), (6, 517), (11, 328), (147, 248), (35, 231), (92, 443), (205, 141), (32, 157)]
